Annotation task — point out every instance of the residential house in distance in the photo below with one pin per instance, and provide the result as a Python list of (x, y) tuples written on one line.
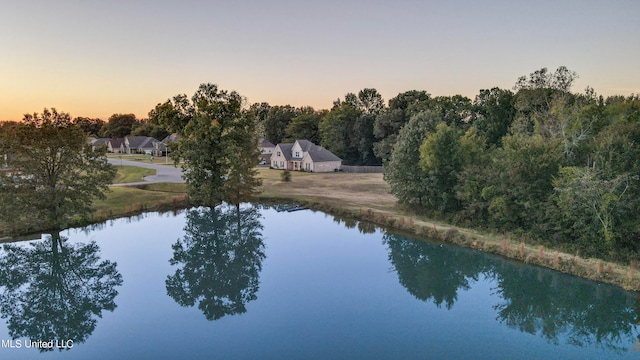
[(162, 147), (266, 149), (101, 142), (303, 155), (116, 145), (139, 145)]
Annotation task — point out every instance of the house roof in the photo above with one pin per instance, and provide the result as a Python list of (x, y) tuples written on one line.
[(319, 154), (100, 142), (159, 145), (286, 150), (140, 142), (116, 142), (306, 145), (316, 152), (265, 143)]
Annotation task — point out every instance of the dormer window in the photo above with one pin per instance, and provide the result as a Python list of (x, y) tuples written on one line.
[(278, 153), (297, 154)]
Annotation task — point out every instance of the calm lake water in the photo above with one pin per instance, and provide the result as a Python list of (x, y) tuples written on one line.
[(256, 284)]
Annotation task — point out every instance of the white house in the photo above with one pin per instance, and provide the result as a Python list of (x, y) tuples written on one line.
[(266, 150), (303, 155)]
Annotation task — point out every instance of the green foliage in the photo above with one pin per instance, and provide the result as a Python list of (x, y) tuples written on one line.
[(454, 110), (525, 168), (305, 126), (336, 129), (118, 126), (386, 128), (562, 79), (172, 115), (285, 176), (149, 128), (408, 99), (441, 158), (389, 121), (88, 125), (54, 174), (218, 145), (348, 129), (495, 112), (276, 122), (408, 181), (260, 112), (590, 208)]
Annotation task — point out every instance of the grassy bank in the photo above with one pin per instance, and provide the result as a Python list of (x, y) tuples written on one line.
[(121, 201), (132, 200)]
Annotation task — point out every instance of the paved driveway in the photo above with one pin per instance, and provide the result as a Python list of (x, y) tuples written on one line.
[(164, 173)]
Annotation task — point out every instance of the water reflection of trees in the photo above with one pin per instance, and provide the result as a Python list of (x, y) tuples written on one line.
[(555, 306), (432, 271), (220, 258), (538, 301), (54, 290)]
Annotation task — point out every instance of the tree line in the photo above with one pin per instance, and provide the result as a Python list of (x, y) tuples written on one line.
[(558, 167), (539, 160)]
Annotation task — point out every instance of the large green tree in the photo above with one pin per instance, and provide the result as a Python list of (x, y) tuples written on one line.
[(520, 181), (408, 181), (336, 131), (305, 126), (217, 144), (276, 122), (89, 125), (495, 112), (441, 158), (118, 125), (54, 173), (348, 129)]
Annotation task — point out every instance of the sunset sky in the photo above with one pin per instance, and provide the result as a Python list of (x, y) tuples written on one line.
[(97, 58)]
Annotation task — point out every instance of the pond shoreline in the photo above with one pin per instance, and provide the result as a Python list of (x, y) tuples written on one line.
[(382, 211), (597, 270)]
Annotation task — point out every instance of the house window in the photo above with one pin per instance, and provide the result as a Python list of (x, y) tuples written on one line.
[(307, 166), (297, 154), (278, 153), (275, 164), (282, 164)]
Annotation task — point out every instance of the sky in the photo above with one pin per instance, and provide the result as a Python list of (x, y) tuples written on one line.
[(98, 58)]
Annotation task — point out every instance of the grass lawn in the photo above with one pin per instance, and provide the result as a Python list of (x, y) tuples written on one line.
[(126, 200), (142, 158), (128, 174)]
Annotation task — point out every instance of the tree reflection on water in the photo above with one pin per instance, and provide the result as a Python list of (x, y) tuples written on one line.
[(534, 300), (55, 290), (220, 259)]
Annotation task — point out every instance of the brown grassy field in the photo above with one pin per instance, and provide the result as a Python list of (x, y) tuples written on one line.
[(349, 191)]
